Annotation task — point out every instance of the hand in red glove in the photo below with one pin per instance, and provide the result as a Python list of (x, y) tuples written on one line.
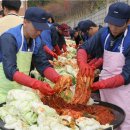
[(81, 56), (55, 55), (51, 74), (43, 87), (50, 52), (57, 50), (25, 80), (98, 63), (64, 47), (91, 62), (84, 67), (112, 82)]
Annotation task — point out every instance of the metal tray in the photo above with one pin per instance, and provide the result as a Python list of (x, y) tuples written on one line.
[(118, 112)]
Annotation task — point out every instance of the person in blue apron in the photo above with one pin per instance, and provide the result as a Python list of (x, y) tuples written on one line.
[(46, 38), (113, 43), (18, 47), (47, 44)]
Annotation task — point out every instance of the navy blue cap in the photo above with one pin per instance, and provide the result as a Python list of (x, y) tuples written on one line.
[(79, 25), (118, 14), (38, 17), (85, 26)]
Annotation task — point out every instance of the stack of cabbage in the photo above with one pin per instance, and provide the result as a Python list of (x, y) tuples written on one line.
[(24, 111), (68, 60)]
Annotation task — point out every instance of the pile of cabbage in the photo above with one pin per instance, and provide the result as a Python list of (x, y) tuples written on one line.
[(25, 111)]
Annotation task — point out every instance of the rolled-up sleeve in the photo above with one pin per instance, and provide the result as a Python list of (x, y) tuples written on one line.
[(8, 50)]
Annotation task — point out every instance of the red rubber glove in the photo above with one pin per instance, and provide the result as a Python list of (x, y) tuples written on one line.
[(84, 67), (57, 50), (98, 63), (92, 61), (112, 82), (64, 47), (50, 52), (23, 79), (51, 74)]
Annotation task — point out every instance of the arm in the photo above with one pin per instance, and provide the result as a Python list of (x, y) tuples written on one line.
[(43, 66), (9, 51), (45, 69), (126, 68), (117, 80), (50, 52), (112, 82), (46, 40), (10, 66), (55, 39)]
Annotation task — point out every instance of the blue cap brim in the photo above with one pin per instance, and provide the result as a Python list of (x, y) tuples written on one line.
[(115, 21), (40, 26)]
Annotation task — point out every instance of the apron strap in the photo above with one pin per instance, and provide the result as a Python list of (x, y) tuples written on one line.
[(122, 48), (106, 40), (22, 39)]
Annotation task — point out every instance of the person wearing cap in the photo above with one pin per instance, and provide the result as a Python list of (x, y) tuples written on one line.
[(50, 19), (79, 29), (113, 44), (10, 10), (47, 46), (21, 45), (58, 33), (89, 28), (76, 37), (47, 40), (51, 38)]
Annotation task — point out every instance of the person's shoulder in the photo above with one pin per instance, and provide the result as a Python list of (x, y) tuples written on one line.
[(10, 17), (102, 31), (15, 19), (7, 37)]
